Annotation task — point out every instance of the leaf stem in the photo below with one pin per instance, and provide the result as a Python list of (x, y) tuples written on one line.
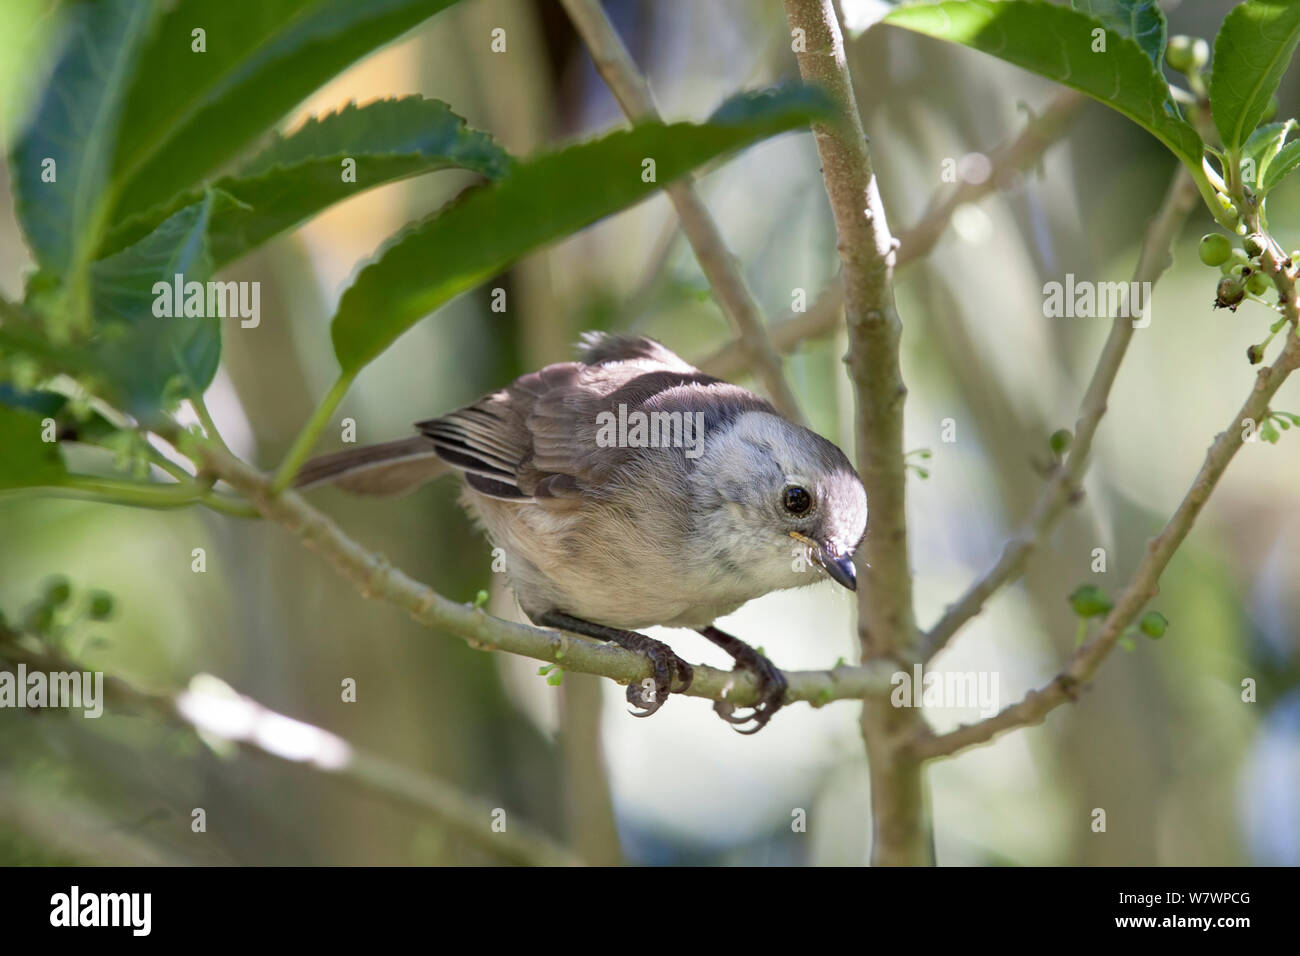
[(205, 418), (302, 445), (139, 494)]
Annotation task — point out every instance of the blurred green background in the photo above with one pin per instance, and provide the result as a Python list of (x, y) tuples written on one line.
[(1187, 772)]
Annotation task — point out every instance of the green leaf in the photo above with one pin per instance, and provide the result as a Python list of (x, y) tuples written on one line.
[(92, 427), (543, 199), (45, 404), (298, 175), (1056, 42), (75, 124), (27, 461), (1143, 20), (1260, 150), (188, 113), (1251, 52), (1287, 159), (144, 355)]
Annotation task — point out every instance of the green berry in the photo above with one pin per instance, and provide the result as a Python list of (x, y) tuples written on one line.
[(1254, 246), (57, 591), (1257, 284), (101, 606), (1060, 441), (1215, 249), (1236, 264), (1153, 624), (40, 619), (1187, 54), (1088, 600), (1255, 354)]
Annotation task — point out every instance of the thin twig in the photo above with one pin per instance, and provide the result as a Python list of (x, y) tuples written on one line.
[(1063, 485), (632, 91), (823, 315), (1144, 585), (886, 622)]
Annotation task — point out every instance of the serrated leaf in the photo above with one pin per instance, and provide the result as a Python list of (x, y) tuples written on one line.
[(188, 113), (1056, 42), (1282, 165), (27, 461), (143, 355), (1251, 52), (543, 199), (1260, 150), (297, 176), (75, 124), (1143, 20)]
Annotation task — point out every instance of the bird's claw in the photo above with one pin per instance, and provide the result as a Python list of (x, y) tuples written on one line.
[(771, 696), (650, 694)]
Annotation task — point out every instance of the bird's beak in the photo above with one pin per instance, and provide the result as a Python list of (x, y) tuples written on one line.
[(839, 568)]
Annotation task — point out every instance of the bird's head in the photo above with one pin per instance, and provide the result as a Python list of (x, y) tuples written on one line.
[(781, 501)]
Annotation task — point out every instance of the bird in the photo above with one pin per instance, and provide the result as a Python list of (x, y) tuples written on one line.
[(629, 489)]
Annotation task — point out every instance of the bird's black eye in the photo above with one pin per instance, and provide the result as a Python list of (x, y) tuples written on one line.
[(796, 500)]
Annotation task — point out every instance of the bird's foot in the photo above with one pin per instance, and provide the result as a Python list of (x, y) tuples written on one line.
[(772, 684), (651, 693), (648, 695)]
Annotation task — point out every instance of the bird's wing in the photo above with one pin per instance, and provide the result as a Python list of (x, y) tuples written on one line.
[(537, 439), (490, 440)]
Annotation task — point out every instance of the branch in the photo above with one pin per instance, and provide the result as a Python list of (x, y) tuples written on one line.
[(1062, 487), (375, 578), (717, 262), (886, 622), (76, 830), (867, 251), (822, 317), (209, 706), (1144, 585), (141, 494)]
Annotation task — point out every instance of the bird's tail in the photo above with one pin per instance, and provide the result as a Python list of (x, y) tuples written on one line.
[(391, 468)]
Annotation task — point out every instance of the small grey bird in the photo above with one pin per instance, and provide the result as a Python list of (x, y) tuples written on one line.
[(629, 489)]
